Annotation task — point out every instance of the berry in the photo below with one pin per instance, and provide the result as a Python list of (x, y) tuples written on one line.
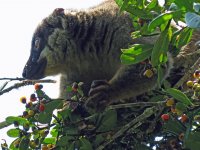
[(197, 89), (38, 86), (32, 144), (190, 84), (41, 107), (195, 85), (197, 118), (165, 117), (26, 126), (50, 146), (184, 118), (33, 98), (173, 110), (44, 147), (196, 74), (29, 105), (181, 136), (23, 100), (74, 87), (25, 114), (141, 21), (16, 143), (170, 102), (16, 123), (148, 73), (44, 133), (31, 113)]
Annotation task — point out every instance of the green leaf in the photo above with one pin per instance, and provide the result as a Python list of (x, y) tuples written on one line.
[(160, 48), (108, 121), (24, 144), (180, 96), (51, 106), (85, 144), (173, 126), (160, 76), (49, 140), (64, 140), (98, 140), (13, 132), (65, 113), (69, 88), (184, 37), (173, 7), (12, 147), (140, 13), (70, 130), (192, 141), (181, 106), (192, 20), (119, 2), (136, 54), (54, 132), (186, 5), (161, 19), (44, 117), (20, 120), (151, 5)]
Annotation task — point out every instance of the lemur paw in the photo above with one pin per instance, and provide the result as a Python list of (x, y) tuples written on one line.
[(98, 95)]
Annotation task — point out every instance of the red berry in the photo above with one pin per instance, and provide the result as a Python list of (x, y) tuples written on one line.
[(41, 107), (165, 117), (33, 98), (38, 86), (184, 118)]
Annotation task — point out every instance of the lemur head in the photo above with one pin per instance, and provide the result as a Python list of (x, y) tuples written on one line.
[(49, 44)]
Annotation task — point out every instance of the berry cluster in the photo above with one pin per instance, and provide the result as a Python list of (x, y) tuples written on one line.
[(194, 85), (28, 129), (175, 110)]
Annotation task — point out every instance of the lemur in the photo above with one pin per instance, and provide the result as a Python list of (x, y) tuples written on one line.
[(85, 46)]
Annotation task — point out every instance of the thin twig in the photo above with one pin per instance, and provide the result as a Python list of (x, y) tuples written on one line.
[(25, 83), (143, 104), (13, 79)]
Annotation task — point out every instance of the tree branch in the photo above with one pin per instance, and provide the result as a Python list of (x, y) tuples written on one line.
[(25, 83)]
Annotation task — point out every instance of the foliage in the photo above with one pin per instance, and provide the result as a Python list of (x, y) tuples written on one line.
[(167, 118)]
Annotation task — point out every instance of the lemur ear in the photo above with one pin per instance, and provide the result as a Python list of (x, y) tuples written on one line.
[(58, 11)]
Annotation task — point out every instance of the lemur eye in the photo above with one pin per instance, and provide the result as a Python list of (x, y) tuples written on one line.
[(37, 43)]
